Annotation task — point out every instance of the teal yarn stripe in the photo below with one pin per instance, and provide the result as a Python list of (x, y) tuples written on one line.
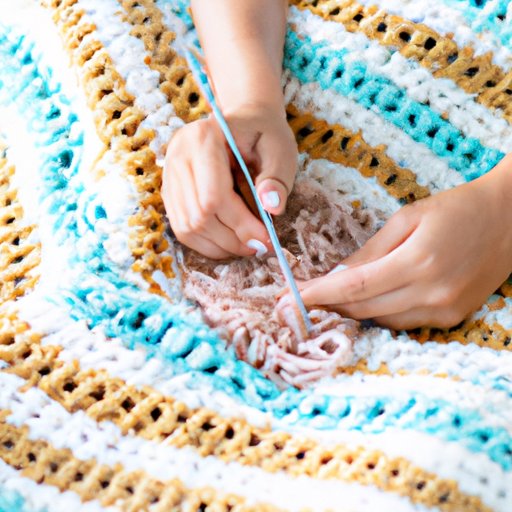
[(316, 62)]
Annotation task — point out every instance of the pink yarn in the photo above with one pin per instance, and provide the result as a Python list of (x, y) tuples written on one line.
[(238, 297)]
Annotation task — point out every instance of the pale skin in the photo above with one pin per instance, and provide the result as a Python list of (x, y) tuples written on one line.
[(433, 263)]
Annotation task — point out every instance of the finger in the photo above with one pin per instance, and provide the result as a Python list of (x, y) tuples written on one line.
[(234, 214), (213, 178), (302, 285), (412, 319), (278, 166), (186, 217), (187, 200), (224, 237), (441, 317), (170, 194), (211, 169), (392, 303), (359, 283), (394, 233), (204, 246), (206, 224)]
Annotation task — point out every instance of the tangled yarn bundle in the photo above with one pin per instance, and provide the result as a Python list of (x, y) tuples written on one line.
[(137, 375)]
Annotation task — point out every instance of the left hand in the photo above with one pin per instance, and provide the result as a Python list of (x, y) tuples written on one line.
[(434, 261)]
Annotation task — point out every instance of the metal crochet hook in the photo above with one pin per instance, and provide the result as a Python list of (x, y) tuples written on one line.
[(201, 78)]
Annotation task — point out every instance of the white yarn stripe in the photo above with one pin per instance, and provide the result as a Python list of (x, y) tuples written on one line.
[(128, 53), (94, 352), (138, 356), (478, 16), (466, 362), (430, 170), (446, 20), (43, 497), (171, 21), (337, 109), (115, 194), (471, 118), (105, 443)]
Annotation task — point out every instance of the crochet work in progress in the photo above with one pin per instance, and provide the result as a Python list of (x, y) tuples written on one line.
[(137, 375)]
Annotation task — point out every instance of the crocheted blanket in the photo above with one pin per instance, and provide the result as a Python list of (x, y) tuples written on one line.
[(136, 375)]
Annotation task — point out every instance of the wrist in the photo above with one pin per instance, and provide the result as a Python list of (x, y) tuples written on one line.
[(244, 72), (255, 110), (243, 87)]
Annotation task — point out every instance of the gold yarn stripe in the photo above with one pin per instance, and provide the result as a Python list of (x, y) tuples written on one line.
[(474, 74), (147, 413), (19, 257), (134, 491)]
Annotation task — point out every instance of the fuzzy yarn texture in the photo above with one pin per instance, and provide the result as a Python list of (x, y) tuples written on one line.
[(137, 375)]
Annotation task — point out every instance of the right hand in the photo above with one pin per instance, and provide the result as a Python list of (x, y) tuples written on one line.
[(205, 212)]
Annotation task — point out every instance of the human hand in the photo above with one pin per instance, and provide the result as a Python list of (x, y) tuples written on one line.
[(205, 212), (433, 263)]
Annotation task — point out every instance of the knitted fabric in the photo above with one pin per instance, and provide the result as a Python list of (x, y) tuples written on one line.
[(137, 375)]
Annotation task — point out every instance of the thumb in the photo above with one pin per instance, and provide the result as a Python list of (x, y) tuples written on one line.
[(273, 195), (278, 166)]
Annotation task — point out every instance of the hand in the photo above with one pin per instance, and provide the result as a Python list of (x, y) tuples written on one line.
[(204, 211), (433, 263)]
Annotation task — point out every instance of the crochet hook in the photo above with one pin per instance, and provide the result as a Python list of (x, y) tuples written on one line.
[(201, 78)]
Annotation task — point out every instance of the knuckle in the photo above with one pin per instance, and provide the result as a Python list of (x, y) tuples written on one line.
[(196, 224), (444, 297), (210, 205), (202, 131)]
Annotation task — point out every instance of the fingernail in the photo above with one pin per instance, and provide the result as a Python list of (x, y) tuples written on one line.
[(271, 199), (257, 246), (338, 268)]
